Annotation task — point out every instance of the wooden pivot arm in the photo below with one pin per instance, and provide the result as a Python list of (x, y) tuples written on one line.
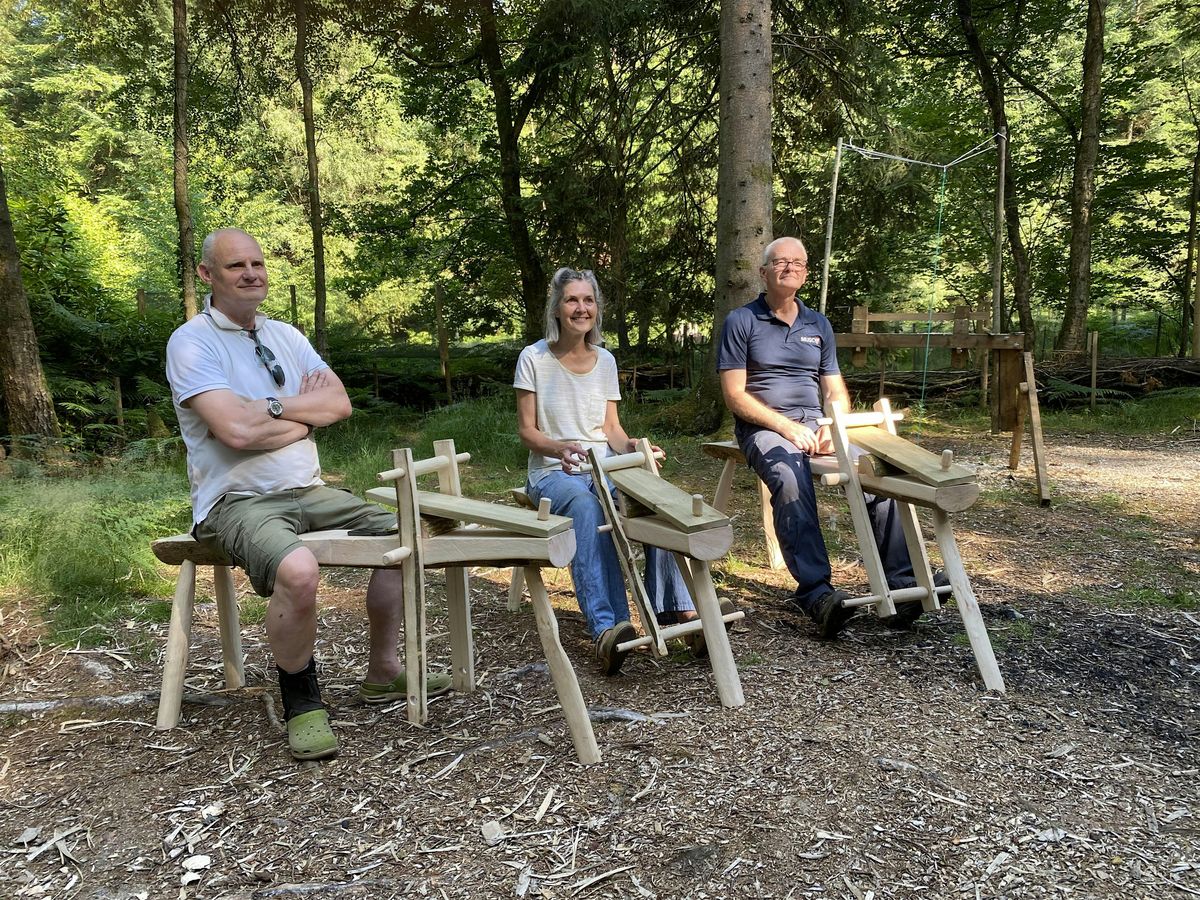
[(633, 578), (424, 467), (622, 461)]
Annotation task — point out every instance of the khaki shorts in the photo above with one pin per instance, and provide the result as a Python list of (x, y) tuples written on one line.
[(259, 530)]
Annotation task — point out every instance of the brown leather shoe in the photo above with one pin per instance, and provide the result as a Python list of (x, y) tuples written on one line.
[(610, 657)]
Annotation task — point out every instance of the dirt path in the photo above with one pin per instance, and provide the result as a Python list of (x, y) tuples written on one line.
[(872, 767)]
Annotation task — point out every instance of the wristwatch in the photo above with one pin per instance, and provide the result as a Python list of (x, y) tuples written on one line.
[(274, 407)]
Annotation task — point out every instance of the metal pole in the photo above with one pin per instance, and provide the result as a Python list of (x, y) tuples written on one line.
[(998, 250), (837, 167)]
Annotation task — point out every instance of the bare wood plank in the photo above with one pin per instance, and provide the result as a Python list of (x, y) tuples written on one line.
[(662, 497), (462, 546), (480, 512), (412, 569), (968, 606), (948, 498), (905, 455)]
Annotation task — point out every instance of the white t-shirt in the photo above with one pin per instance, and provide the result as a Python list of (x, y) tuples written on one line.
[(211, 352), (570, 407)]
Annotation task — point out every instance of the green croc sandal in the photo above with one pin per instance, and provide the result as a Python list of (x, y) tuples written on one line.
[(436, 684), (310, 737)]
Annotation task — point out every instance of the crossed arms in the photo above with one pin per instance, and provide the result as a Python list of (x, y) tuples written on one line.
[(243, 424)]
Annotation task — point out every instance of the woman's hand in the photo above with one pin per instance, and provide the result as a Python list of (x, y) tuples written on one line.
[(572, 457)]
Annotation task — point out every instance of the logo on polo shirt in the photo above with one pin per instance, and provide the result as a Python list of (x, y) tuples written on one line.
[(810, 339)]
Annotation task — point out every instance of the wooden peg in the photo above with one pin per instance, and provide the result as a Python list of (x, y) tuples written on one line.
[(395, 556), (697, 504), (393, 474), (947, 459), (543, 509), (604, 529)]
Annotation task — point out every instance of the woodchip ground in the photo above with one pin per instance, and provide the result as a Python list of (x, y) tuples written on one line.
[(871, 767)]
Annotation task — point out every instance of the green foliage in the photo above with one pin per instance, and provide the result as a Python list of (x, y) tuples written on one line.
[(83, 545)]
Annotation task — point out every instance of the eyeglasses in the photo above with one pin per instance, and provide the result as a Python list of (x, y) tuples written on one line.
[(267, 358), (782, 265)]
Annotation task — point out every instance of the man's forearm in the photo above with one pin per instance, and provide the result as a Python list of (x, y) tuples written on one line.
[(750, 409), (318, 408)]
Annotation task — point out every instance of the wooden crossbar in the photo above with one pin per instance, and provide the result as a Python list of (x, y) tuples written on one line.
[(478, 512)]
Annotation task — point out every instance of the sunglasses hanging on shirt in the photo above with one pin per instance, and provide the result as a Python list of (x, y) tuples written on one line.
[(267, 358)]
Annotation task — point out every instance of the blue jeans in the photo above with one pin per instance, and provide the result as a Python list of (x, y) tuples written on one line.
[(595, 570), (786, 471)]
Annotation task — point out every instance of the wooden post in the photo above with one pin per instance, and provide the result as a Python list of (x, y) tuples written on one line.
[(968, 606), (408, 515), (458, 587), (443, 341), (1094, 352), (1035, 430), (141, 301), (837, 168)]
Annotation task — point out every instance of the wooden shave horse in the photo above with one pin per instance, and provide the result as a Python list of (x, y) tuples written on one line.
[(450, 531), (912, 476), (655, 512)]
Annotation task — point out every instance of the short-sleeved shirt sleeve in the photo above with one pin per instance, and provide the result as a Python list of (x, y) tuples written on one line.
[(783, 363)]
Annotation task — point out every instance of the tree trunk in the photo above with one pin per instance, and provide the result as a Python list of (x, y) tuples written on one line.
[(30, 407), (993, 92), (743, 173), (1185, 300), (1083, 186), (533, 287), (320, 333), (183, 206)]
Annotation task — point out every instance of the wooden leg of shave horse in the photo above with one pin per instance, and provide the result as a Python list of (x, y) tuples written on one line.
[(408, 516), (913, 538), (231, 627), (176, 656), (566, 685), (968, 606), (516, 587), (774, 554), (458, 586), (462, 640), (720, 654)]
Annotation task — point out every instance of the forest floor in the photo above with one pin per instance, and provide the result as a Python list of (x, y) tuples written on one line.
[(869, 767)]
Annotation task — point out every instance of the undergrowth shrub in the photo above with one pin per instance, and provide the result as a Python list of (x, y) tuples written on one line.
[(83, 546)]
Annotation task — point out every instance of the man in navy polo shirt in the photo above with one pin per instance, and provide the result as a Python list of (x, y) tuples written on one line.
[(778, 365)]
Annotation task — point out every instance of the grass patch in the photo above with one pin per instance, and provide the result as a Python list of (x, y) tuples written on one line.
[(83, 546), (253, 610)]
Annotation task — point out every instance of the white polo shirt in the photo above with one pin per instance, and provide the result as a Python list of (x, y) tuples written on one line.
[(210, 353)]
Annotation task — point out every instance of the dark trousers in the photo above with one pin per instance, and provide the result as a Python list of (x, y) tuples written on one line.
[(786, 471)]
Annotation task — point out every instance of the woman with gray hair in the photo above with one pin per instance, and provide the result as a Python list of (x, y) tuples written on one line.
[(567, 395)]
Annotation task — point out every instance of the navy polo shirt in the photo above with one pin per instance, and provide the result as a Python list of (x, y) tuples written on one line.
[(784, 363)]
